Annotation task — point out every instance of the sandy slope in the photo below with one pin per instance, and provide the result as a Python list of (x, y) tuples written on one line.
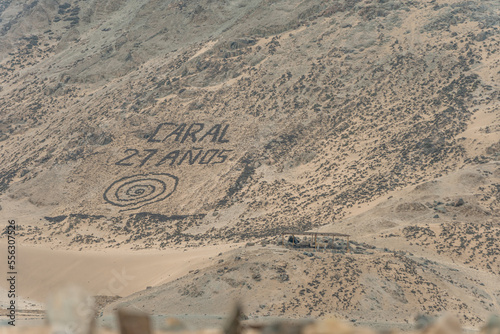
[(272, 282), (369, 117), (329, 106), (422, 250), (476, 185)]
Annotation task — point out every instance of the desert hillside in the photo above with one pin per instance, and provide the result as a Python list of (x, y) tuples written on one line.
[(411, 256), (254, 116), (157, 126)]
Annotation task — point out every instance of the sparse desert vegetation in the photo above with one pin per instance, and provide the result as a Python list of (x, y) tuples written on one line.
[(161, 128)]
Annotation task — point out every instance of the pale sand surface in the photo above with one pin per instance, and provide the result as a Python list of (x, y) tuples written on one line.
[(115, 272)]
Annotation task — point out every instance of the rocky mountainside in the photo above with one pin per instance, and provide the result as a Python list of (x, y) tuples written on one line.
[(241, 117), (372, 289), (418, 252), (157, 124)]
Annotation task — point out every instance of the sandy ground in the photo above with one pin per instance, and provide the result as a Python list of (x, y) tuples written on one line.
[(41, 270)]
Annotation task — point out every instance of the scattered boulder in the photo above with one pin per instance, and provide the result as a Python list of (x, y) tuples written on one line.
[(458, 202)]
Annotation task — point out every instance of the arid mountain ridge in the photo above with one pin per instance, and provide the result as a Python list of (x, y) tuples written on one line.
[(163, 125), (256, 116)]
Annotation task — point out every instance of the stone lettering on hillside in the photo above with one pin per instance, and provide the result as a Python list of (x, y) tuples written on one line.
[(135, 191), (197, 134)]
